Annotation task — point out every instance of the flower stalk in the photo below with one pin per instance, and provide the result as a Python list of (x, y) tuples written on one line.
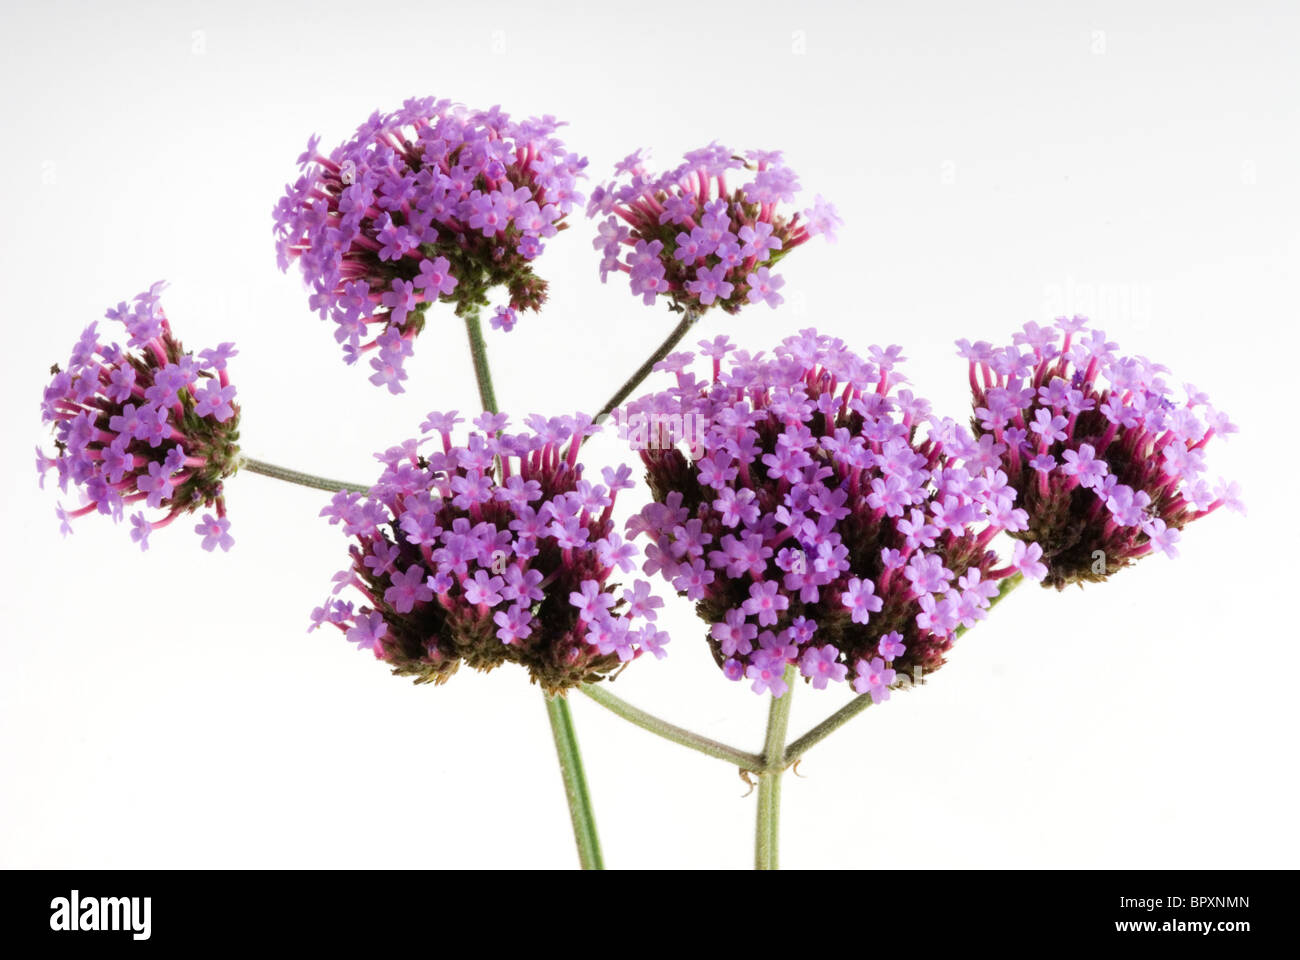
[(575, 783), (297, 476), (768, 830), (675, 337), (478, 354), (750, 762)]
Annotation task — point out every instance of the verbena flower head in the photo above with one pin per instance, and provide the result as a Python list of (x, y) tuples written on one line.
[(706, 233), (810, 521), (1109, 458), (431, 202), (148, 428), (491, 551)]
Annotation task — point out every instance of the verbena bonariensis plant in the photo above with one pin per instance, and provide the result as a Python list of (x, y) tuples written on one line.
[(821, 519), (491, 551), (704, 234), (430, 202), (691, 236), (1108, 457), (151, 425)]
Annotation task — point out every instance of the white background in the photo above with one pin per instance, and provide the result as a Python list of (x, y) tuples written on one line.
[(1134, 162)]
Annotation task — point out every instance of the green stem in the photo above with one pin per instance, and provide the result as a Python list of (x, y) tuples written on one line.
[(799, 747), (767, 833), (478, 353), (647, 721), (295, 476), (688, 319), (575, 783), (855, 706)]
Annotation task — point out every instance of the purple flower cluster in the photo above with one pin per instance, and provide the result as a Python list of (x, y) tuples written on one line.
[(151, 425), (809, 521), (687, 234), (1108, 457), (494, 551), (427, 203)]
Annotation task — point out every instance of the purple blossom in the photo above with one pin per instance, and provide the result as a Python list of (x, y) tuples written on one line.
[(615, 552), (654, 639), (218, 357), (875, 678), (734, 634), (1049, 428), (1108, 459), (432, 198), (514, 624), (727, 237), (140, 530), (504, 319), (641, 602), (736, 506), (1161, 537), (388, 373), (758, 240), (435, 277), (891, 646), (820, 502), (407, 589), (215, 532), (157, 425), (765, 602), (1084, 465), (821, 665), (767, 678), (157, 484), (591, 602), (822, 220), (215, 401), (367, 632), (523, 585), (400, 299), (763, 286), (927, 573), (484, 589), (1025, 558), (1228, 495), (710, 283), (495, 550), (861, 600)]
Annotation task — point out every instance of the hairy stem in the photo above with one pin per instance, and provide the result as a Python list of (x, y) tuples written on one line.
[(647, 721), (768, 830), (575, 783), (298, 477), (688, 319), (478, 353)]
